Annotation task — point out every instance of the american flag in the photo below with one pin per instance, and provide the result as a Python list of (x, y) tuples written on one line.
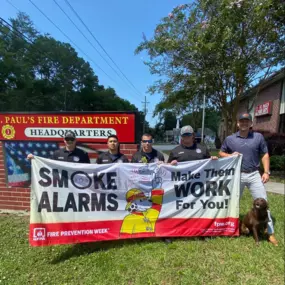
[(18, 166)]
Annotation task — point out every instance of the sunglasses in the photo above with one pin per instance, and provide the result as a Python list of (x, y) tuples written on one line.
[(70, 139), (147, 141), (187, 135)]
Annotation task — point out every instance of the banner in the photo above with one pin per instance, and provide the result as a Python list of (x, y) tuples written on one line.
[(74, 203), (88, 127)]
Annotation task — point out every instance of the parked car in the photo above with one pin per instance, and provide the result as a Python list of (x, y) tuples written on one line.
[(198, 137)]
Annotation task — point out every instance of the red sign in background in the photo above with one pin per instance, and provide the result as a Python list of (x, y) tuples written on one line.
[(263, 109), (89, 127)]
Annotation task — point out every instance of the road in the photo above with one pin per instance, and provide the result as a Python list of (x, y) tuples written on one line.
[(162, 147)]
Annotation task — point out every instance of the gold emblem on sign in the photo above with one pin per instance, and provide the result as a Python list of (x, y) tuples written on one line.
[(8, 132)]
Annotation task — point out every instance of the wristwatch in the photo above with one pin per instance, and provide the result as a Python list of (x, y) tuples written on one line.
[(267, 172)]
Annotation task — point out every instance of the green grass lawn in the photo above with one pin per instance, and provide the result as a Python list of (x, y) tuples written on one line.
[(221, 260)]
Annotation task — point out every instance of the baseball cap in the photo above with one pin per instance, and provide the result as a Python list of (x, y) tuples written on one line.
[(70, 134), (245, 116), (186, 131)]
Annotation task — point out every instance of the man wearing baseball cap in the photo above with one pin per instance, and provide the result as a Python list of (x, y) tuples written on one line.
[(251, 145), (188, 150), (69, 153)]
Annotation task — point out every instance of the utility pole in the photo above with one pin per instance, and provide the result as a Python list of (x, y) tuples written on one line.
[(145, 112)]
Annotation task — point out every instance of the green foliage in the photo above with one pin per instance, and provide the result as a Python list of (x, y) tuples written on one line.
[(277, 163), (212, 119), (48, 75), (169, 120), (217, 48), (276, 144)]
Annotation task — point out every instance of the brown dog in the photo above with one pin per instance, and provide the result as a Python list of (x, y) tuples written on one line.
[(256, 219)]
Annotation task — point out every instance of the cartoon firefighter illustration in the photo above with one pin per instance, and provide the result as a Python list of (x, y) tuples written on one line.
[(143, 211)]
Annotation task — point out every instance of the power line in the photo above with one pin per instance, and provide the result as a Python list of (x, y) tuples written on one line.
[(86, 55), (11, 28), (31, 43), (8, 1), (23, 37), (71, 41), (80, 31), (13, 5), (97, 41)]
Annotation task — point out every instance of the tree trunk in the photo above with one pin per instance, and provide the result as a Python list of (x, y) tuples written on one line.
[(235, 109)]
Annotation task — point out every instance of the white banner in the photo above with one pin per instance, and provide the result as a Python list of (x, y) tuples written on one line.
[(73, 202)]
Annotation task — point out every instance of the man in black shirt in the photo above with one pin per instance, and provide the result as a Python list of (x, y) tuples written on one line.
[(113, 155), (147, 154), (188, 150), (70, 153)]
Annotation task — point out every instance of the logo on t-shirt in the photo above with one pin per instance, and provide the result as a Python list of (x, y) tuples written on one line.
[(198, 150), (76, 158)]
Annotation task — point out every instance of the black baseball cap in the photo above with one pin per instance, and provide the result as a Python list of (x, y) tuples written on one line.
[(70, 134), (245, 116)]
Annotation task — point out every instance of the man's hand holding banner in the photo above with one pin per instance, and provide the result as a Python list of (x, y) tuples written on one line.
[(73, 203)]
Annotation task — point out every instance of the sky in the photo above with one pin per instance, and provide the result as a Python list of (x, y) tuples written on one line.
[(118, 25)]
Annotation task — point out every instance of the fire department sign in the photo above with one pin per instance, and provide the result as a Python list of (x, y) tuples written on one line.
[(88, 127)]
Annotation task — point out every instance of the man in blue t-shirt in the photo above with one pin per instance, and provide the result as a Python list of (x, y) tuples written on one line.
[(251, 145)]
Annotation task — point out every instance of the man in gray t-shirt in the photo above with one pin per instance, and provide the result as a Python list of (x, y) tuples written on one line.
[(251, 145)]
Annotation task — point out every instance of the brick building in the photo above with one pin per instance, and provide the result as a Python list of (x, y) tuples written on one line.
[(266, 103)]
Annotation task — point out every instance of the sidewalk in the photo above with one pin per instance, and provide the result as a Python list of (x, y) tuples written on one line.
[(275, 187)]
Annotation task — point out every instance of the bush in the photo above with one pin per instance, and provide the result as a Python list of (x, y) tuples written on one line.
[(218, 143), (275, 143), (277, 163)]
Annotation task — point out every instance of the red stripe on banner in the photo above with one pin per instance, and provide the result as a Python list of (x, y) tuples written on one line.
[(157, 192), (156, 207), (66, 233)]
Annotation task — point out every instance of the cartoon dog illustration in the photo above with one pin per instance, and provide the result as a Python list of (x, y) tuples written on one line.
[(144, 211)]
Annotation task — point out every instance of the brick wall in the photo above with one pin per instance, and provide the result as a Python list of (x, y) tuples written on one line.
[(269, 123), (19, 198)]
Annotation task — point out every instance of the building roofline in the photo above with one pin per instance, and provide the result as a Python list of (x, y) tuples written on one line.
[(278, 75)]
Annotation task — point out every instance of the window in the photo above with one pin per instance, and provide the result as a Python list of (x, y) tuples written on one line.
[(282, 101)]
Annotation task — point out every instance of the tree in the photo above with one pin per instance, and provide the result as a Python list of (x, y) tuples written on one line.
[(212, 119), (219, 48), (169, 121), (39, 73)]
